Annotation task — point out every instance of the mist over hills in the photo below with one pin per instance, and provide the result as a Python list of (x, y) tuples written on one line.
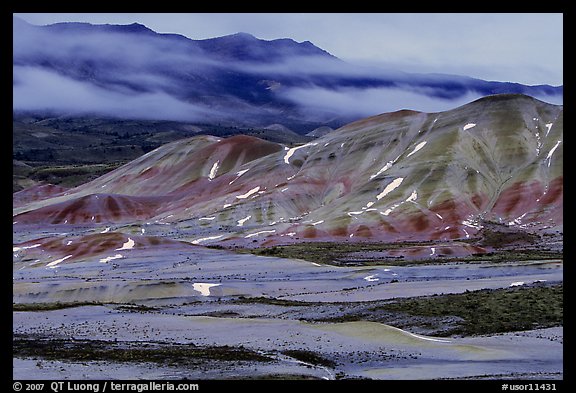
[(132, 72)]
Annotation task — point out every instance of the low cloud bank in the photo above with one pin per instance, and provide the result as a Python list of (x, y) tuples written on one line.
[(132, 72), (37, 89), (373, 101)]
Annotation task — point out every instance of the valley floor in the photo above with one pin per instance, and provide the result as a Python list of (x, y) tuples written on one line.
[(198, 313)]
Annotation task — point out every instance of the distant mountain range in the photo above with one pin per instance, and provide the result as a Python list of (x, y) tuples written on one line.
[(132, 72)]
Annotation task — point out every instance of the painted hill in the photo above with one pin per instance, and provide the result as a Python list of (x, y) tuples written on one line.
[(401, 176)]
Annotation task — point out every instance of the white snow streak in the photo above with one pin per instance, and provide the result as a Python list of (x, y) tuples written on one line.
[(390, 187), (259, 233), (472, 224), (14, 249), (252, 191), (390, 209), (111, 258), (418, 147), (213, 170), (243, 220), (469, 125), (412, 197), (419, 336), (238, 174), (549, 156), (56, 262), (427, 338), (384, 169), (198, 241), (291, 151)]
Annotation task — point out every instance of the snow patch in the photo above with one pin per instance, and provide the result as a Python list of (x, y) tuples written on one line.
[(203, 288), (390, 187), (418, 147), (372, 278), (111, 258), (412, 197), (243, 220), (390, 209), (14, 249), (56, 262), (549, 156), (469, 125), (291, 151), (384, 169), (213, 170), (127, 246), (259, 233), (198, 241), (472, 223), (238, 174), (252, 191), (517, 221)]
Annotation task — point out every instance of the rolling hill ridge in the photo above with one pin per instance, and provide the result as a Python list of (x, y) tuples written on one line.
[(395, 177)]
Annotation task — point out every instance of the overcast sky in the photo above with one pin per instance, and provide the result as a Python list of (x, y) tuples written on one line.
[(525, 48)]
